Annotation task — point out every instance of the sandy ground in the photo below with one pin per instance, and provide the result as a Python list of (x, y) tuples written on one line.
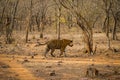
[(16, 62), (39, 68), (17, 70)]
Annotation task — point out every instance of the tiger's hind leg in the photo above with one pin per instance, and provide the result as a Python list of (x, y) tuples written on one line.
[(46, 51), (61, 53), (52, 50)]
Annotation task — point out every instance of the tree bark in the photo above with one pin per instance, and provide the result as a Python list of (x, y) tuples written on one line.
[(42, 28), (88, 38), (10, 27), (59, 15), (114, 36)]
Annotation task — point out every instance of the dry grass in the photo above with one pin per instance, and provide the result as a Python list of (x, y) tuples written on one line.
[(73, 67)]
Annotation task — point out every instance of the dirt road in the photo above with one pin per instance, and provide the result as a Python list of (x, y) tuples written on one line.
[(16, 68), (21, 72)]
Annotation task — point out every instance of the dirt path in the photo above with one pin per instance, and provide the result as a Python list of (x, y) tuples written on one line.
[(92, 60), (23, 73)]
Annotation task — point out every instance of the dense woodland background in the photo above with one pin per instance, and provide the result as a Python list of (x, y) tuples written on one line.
[(93, 25), (35, 16)]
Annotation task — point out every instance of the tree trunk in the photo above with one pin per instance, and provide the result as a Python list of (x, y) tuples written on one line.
[(27, 27), (88, 39), (108, 29), (58, 24), (92, 72), (114, 37), (31, 6), (59, 27), (56, 20), (41, 35), (38, 21), (28, 21), (27, 33), (2, 16), (8, 34), (9, 28), (69, 20), (1, 20), (88, 43), (42, 28)]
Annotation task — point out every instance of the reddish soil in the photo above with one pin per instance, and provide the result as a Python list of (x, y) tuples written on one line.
[(16, 62)]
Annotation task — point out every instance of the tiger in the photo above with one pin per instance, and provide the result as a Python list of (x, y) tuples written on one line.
[(57, 44)]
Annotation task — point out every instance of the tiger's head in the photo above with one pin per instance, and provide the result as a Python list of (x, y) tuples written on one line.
[(68, 42), (71, 43)]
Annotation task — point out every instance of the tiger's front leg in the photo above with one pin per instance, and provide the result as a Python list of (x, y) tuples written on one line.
[(62, 51)]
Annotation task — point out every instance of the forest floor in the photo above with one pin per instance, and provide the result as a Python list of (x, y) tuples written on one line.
[(25, 61), (39, 68)]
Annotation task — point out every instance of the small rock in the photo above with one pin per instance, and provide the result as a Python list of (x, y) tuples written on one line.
[(48, 66), (60, 62), (92, 64), (17, 60), (27, 45), (108, 66), (25, 60), (92, 72), (38, 71), (5, 66), (116, 72), (32, 57), (115, 50), (107, 54), (53, 73), (16, 75)]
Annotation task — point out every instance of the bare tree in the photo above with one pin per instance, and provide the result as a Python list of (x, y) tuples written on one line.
[(10, 23), (69, 20), (28, 19), (115, 10), (82, 23), (5, 3), (41, 16), (107, 19), (58, 9), (114, 35)]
